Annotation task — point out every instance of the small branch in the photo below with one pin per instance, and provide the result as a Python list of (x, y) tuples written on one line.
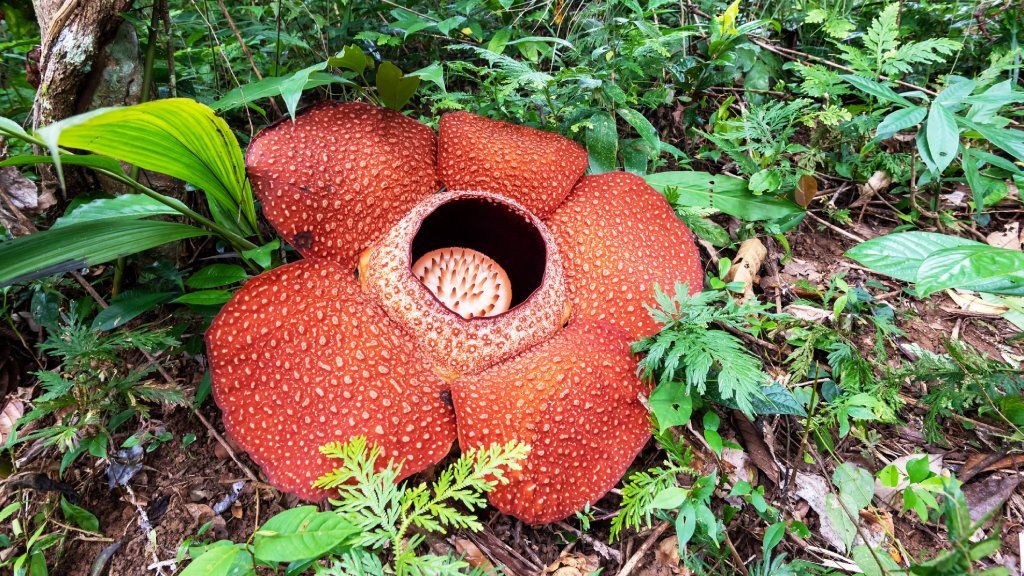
[(598, 546), (627, 568), (835, 228), (797, 55), (238, 36)]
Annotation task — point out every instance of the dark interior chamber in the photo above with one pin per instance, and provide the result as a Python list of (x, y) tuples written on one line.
[(493, 228)]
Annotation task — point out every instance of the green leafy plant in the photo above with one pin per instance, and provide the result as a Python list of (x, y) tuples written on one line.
[(94, 391), (178, 137), (373, 514), (961, 381), (937, 262), (28, 536), (705, 360)]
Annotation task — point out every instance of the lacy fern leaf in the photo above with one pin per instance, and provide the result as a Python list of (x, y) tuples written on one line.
[(688, 346), (386, 511)]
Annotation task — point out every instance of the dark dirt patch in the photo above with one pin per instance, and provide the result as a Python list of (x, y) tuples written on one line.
[(177, 488)]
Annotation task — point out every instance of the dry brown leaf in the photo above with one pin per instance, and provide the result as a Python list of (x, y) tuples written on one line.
[(978, 463), (745, 266), (986, 496), (808, 313), (969, 302), (666, 560), (12, 411), (574, 564), (742, 468), (757, 447), (813, 489), (877, 526), (1009, 237), (806, 190), (879, 182), (472, 554)]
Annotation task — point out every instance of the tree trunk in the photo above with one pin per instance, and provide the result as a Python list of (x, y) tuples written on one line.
[(88, 58)]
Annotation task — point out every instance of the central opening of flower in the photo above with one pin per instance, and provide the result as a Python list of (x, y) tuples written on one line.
[(478, 256)]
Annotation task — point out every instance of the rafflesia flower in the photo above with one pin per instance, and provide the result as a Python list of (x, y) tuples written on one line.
[(473, 283)]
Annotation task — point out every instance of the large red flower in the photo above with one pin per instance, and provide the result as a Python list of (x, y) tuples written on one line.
[(472, 284)]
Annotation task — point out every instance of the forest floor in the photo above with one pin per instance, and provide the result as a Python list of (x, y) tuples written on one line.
[(178, 488)]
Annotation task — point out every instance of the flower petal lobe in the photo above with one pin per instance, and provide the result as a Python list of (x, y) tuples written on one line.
[(573, 399), (341, 175), (535, 168), (300, 358), (618, 238)]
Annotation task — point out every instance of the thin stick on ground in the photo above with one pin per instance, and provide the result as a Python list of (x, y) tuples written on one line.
[(630, 564)]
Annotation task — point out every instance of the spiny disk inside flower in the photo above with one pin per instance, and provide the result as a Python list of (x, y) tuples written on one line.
[(468, 282), (499, 309)]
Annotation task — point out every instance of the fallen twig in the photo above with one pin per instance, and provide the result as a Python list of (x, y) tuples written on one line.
[(638, 555)]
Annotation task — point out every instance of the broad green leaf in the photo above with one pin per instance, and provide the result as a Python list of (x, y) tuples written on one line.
[(119, 208), (216, 275), (85, 244), (671, 404), (289, 87), (997, 161), (919, 469), (79, 516), (602, 140), (900, 120), (876, 89), (952, 95), (301, 533), (12, 129), (178, 137), (263, 255), (9, 510), (223, 558), (499, 40), (973, 267), (686, 525), (1010, 141), (648, 133), (866, 561), (205, 298), (394, 88), (543, 40), (352, 58), (855, 484), (725, 193), (981, 185), (777, 399), (432, 73), (636, 155), (922, 150), (900, 255), (772, 536), (889, 476), (841, 522), (942, 135), (127, 306), (670, 498), (984, 106)]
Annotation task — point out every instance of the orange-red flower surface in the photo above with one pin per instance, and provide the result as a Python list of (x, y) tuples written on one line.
[(474, 285)]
